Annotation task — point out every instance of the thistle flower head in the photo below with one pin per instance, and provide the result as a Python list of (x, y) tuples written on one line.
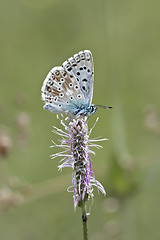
[(76, 152)]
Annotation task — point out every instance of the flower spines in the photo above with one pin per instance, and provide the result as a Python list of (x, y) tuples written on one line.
[(76, 145), (80, 151)]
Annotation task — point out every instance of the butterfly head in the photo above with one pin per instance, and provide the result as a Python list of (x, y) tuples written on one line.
[(92, 109)]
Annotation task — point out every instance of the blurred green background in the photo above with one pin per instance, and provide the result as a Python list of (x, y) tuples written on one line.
[(124, 37)]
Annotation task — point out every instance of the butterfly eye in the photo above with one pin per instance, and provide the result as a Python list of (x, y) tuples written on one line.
[(92, 109)]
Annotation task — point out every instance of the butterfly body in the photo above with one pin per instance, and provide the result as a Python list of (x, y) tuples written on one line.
[(84, 110), (69, 89)]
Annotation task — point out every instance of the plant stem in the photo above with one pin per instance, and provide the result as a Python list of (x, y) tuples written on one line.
[(84, 220)]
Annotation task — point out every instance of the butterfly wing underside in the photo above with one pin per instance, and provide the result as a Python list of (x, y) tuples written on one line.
[(81, 66), (61, 92), (68, 88)]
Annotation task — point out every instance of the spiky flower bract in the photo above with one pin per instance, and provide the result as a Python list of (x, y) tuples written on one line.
[(76, 146)]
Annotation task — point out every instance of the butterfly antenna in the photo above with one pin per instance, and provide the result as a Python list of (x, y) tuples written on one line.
[(104, 107)]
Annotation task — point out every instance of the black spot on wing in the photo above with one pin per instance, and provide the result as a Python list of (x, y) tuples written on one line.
[(84, 80)]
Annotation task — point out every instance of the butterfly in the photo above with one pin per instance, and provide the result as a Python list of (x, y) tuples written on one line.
[(69, 89)]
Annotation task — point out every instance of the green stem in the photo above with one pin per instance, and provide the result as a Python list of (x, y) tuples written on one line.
[(84, 220)]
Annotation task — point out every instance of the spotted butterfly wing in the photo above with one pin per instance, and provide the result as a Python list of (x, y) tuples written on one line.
[(68, 88), (61, 92), (81, 66)]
